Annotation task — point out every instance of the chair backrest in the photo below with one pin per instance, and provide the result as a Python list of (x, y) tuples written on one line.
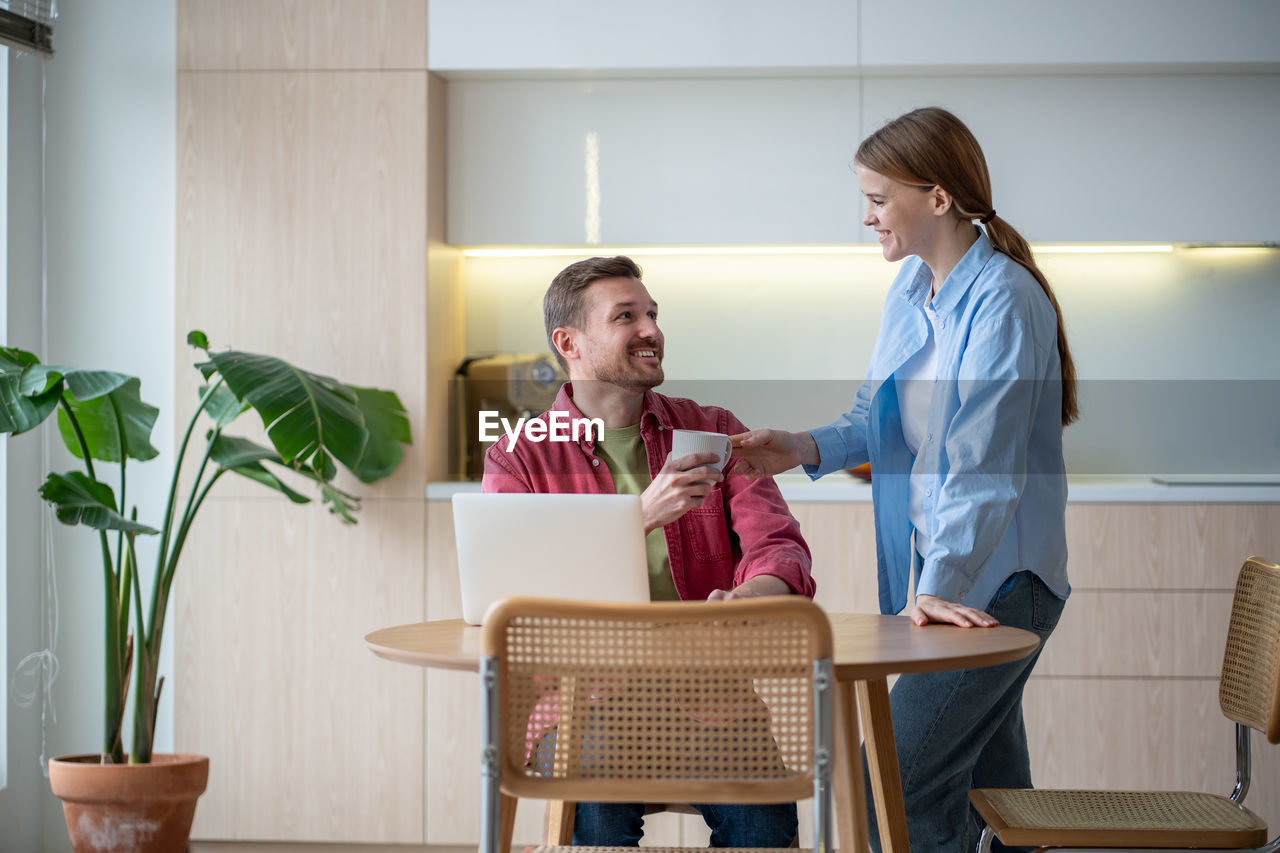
[(1249, 691), (697, 702)]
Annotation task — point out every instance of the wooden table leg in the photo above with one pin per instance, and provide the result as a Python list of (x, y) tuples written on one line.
[(847, 786), (558, 831), (882, 763), (506, 822)]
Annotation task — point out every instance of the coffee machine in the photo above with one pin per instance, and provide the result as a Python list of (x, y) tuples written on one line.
[(512, 385)]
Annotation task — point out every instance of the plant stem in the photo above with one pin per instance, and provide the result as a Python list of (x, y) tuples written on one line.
[(113, 711), (75, 428), (144, 723), (124, 458), (188, 512), (187, 520), (160, 602), (149, 641), (164, 578), (172, 502)]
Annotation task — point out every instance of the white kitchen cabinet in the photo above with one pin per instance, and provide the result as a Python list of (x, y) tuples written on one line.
[(1129, 158), (620, 36), (616, 36), (1073, 158), (1105, 34), (625, 162)]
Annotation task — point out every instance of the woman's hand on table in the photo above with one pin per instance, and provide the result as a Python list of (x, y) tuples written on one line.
[(930, 608), (764, 452)]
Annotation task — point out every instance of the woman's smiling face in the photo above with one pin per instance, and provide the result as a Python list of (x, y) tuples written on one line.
[(904, 217)]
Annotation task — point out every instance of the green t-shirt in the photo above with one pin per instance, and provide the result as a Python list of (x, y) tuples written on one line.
[(623, 451)]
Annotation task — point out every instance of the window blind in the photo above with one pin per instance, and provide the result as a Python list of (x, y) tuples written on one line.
[(28, 24)]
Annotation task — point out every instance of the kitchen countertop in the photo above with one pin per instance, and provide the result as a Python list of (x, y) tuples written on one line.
[(841, 488)]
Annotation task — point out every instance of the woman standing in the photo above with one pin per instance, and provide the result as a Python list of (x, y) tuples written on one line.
[(961, 417)]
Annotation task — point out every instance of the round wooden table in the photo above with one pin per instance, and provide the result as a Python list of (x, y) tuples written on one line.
[(868, 649)]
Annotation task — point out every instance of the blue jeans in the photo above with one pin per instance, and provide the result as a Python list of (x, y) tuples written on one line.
[(622, 824), (963, 729)]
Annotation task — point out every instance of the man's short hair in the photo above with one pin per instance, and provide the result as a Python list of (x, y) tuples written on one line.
[(564, 305)]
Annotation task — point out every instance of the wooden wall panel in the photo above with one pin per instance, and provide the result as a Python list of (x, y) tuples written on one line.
[(1159, 734), (842, 540), (446, 318), (297, 35), (1167, 546), (310, 736), (1139, 634), (301, 233)]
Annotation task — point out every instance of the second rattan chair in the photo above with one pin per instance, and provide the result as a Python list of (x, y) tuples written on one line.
[(1249, 693), (711, 702)]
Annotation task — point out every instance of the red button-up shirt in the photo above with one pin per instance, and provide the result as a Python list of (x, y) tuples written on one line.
[(742, 529)]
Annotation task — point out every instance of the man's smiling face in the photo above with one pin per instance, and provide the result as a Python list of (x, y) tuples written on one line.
[(620, 343)]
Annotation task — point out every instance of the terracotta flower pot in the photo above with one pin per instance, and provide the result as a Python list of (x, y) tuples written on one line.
[(134, 807)]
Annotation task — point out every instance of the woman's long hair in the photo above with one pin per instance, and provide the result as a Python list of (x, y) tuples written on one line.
[(931, 147)]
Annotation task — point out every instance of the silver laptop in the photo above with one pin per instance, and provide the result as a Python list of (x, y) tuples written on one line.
[(583, 547)]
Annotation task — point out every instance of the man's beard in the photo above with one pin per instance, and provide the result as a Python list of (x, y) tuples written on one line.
[(623, 374)]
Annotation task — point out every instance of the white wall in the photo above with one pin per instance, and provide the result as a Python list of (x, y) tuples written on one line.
[(110, 212), (25, 796)]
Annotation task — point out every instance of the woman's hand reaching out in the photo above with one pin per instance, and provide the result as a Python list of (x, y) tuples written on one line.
[(765, 452)]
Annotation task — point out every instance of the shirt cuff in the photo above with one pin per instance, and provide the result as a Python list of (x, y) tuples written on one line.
[(949, 583), (832, 451)]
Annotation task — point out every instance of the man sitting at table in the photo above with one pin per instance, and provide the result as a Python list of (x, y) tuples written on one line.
[(708, 536)]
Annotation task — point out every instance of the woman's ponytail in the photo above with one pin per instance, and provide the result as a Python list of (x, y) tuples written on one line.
[(1004, 238)]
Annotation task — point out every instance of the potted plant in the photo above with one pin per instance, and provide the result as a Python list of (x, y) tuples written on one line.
[(314, 424)]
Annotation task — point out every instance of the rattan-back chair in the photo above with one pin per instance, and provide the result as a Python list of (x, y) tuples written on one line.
[(1249, 693), (706, 702)]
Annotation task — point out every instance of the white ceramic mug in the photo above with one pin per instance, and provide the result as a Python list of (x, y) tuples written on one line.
[(685, 442)]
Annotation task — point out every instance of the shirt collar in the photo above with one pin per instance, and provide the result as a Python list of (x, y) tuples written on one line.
[(957, 283), (655, 409)]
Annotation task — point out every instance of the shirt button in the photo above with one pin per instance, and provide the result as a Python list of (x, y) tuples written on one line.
[(928, 493), (931, 436), (595, 463)]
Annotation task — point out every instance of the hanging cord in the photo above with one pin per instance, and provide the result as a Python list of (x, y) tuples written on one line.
[(39, 670)]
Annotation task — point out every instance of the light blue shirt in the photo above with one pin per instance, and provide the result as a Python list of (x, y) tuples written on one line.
[(996, 488)]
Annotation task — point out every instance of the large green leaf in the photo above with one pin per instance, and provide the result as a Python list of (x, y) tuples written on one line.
[(260, 474), (87, 385), (308, 417), (388, 425), (230, 451), (20, 411), (244, 457), (78, 499), (97, 418), (223, 406), (83, 384)]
